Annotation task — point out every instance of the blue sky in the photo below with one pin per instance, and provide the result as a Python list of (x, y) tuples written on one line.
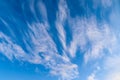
[(59, 40)]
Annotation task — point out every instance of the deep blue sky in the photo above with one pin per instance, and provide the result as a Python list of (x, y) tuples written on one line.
[(59, 40)]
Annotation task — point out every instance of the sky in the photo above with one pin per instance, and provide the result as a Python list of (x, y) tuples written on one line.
[(59, 40)]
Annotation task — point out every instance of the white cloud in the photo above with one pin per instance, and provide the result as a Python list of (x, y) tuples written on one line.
[(91, 77), (40, 38), (43, 43), (10, 49), (92, 38), (36, 7), (42, 51), (88, 35), (60, 21), (99, 40), (79, 38), (6, 25), (42, 8), (67, 71)]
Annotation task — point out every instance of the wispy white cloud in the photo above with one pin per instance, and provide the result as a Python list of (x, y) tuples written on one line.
[(88, 35), (7, 26), (10, 49), (41, 48), (42, 10), (100, 39), (61, 67), (43, 52), (79, 37), (60, 22), (43, 43), (35, 7), (93, 76), (92, 38)]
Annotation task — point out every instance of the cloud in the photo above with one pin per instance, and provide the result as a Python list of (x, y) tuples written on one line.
[(50, 57), (42, 10), (91, 37), (36, 8), (65, 69), (88, 35), (43, 52), (110, 66), (60, 22), (40, 47), (79, 38), (91, 77), (100, 39), (12, 50)]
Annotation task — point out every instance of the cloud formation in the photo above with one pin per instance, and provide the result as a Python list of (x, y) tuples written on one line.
[(95, 40)]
